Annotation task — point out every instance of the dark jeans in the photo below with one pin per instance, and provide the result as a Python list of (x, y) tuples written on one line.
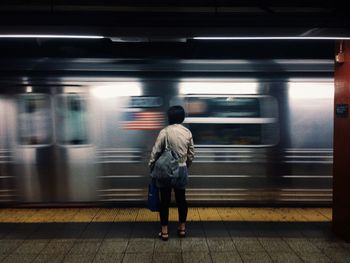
[(165, 197)]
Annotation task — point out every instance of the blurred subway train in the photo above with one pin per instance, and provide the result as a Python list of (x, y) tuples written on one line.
[(257, 141)]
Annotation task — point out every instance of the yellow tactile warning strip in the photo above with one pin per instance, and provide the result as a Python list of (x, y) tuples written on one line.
[(59, 215)]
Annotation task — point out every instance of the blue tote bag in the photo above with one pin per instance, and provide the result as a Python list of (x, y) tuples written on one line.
[(153, 197)]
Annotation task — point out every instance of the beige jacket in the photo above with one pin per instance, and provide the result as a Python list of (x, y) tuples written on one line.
[(180, 141)]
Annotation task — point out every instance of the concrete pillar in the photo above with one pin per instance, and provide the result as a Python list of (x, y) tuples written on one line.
[(341, 168)]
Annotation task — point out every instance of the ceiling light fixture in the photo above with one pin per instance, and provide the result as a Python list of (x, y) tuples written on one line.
[(271, 38), (50, 36)]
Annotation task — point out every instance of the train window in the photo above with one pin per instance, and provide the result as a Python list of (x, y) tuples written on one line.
[(71, 119), (221, 120), (223, 107), (226, 134), (34, 119)]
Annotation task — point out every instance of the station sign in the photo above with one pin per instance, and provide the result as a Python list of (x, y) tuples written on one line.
[(342, 110)]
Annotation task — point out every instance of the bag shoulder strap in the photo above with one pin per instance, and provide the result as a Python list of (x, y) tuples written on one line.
[(166, 140)]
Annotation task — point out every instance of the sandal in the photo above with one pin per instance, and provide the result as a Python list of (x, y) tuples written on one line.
[(163, 236), (181, 232)]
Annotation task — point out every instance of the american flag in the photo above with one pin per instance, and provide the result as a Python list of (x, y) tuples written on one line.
[(143, 120)]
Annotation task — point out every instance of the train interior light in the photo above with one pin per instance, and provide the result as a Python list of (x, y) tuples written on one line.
[(218, 88), (307, 90), (121, 89)]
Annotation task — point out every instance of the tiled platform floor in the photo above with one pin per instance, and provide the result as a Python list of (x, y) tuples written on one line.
[(129, 235)]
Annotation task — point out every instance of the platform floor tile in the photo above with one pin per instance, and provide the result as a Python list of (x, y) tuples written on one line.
[(341, 244), (255, 257), (226, 257), (317, 258), (3, 256), (196, 257), (140, 245), (302, 246), (337, 254), (85, 247), (173, 245), (49, 258), (285, 257), (108, 258), (113, 247), (14, 258), (167, 258), (8, 246), (31, 246), (323, 243), (194, 245), (138, 257), (248, 244), (274, 245), (78, 258), (218, 244), (55, 247)]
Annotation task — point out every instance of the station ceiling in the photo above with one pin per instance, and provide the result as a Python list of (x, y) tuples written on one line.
[(165, 30), (174, 20)]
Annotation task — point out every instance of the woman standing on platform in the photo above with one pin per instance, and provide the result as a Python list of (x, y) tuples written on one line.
[(180, 140)]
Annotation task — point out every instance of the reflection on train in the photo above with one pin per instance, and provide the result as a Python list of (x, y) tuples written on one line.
[(71, 117), (267, 142), (34, 120)]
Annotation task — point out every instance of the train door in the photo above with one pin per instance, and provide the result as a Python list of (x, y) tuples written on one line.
[(34, 145), (75, 155), (129, 117), (7, 178), (118, 141)]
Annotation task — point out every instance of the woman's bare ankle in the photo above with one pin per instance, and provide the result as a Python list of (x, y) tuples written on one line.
[(164, 229), (182, 226)]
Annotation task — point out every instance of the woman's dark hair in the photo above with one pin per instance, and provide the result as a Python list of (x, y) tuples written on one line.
[(176, 114)]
